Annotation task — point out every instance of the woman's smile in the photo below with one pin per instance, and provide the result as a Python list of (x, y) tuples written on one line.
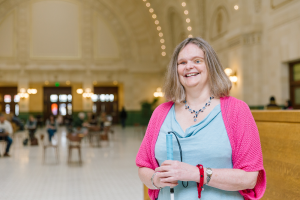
[(188, 75)]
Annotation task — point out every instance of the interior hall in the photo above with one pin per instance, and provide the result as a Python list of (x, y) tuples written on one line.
[(80, 79)]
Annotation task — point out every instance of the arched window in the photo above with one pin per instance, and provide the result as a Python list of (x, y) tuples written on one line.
[(176, 28)]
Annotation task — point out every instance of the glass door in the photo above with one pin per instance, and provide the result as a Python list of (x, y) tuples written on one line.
[(57, 102), (9, 100), (106, 100)]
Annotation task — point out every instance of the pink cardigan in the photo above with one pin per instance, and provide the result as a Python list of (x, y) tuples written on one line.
[(242, 133)]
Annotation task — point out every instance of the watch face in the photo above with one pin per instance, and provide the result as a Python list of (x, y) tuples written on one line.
[(209, 171)]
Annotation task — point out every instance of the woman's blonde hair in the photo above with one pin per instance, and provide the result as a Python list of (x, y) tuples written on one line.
[(219, 82)]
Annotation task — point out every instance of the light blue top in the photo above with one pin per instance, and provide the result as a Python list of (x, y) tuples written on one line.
[(205, 143)]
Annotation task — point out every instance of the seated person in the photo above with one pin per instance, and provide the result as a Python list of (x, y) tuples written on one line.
[(80, 121), (288, 105), (102, 119), (18, 122), (31, 126), (60, 120), (5, 131), (108, 121), (80, 130), (39, 121), (272, 105), (93, 120), (51, 125)]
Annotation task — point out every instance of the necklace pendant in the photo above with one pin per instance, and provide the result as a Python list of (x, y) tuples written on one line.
[(199, 111)]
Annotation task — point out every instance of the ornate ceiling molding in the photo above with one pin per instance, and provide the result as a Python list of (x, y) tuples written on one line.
[(129, 23)]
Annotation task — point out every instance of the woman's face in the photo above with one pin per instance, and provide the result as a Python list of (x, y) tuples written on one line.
[(191, 67)]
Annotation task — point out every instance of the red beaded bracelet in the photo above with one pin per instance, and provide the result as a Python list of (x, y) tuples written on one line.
[(201, 183)]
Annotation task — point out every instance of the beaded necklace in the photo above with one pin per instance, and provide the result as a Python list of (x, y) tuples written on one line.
[(201, 110)]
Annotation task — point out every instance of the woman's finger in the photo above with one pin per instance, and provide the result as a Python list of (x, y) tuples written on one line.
[(170, 184), (168, 180), (168, 162), (163, 174), (162, 169)]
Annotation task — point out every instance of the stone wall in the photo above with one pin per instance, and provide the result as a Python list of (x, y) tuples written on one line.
[(257, 41)]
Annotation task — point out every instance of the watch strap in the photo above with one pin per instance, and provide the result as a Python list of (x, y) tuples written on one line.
[(208, 176)]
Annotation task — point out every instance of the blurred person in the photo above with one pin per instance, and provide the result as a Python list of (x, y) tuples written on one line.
[(102, 120), (288, 105), (93, 120), (60, 119), (39, 120), (80, 130), (51, 125), (69, 122), (5, 132), (89, 116), (79, 122), (123, 117), (80, 126), (18, 122), (272, 105), (31, 126)]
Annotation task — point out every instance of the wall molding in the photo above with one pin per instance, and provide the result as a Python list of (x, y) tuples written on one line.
[(276, 5)]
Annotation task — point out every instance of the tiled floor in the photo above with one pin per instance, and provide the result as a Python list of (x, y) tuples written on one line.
[(107, 173)]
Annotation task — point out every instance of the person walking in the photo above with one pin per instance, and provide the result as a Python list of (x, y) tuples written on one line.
[(123, 117)]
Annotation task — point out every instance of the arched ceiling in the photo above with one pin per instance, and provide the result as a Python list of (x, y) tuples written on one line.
[(131, 23)]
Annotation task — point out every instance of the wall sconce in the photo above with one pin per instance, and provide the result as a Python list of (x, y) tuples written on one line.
[(88, 93), (23, 94), (232, 75), (158, 93), (79, 91), (32, 91)]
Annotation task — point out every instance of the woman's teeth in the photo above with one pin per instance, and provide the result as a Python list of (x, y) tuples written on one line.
[(194, 74)]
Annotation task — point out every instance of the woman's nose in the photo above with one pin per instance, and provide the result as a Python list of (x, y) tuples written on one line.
[(189, 65)]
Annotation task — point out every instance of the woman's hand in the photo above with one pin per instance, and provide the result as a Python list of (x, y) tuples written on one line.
[(173, 171), (158, 183)]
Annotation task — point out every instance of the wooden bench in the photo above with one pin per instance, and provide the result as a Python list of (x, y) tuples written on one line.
[(280, 139)]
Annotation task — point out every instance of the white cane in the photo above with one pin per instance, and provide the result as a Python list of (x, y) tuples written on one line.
[(170, 157)]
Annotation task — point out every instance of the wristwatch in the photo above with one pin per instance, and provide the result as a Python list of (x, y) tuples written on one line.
[(152, 181), (209, 174)]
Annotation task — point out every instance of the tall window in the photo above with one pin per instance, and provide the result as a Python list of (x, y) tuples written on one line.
[(295, 84)]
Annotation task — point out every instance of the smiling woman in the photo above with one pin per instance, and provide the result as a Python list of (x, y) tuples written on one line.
[(195, 52), (218, 142)]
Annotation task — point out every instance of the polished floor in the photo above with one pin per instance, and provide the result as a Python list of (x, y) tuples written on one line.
[(107, 172)]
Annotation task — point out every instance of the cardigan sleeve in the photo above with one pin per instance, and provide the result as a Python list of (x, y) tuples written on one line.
[(247, 153), (144, 157)]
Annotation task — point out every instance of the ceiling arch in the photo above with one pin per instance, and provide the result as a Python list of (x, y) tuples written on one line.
[(129, 20)]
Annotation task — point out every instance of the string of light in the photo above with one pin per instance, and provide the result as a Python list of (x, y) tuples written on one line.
[(158, 27), (187, 20)]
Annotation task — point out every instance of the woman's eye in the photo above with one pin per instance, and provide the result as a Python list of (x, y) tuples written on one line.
[(182, 63), (198, 61)]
